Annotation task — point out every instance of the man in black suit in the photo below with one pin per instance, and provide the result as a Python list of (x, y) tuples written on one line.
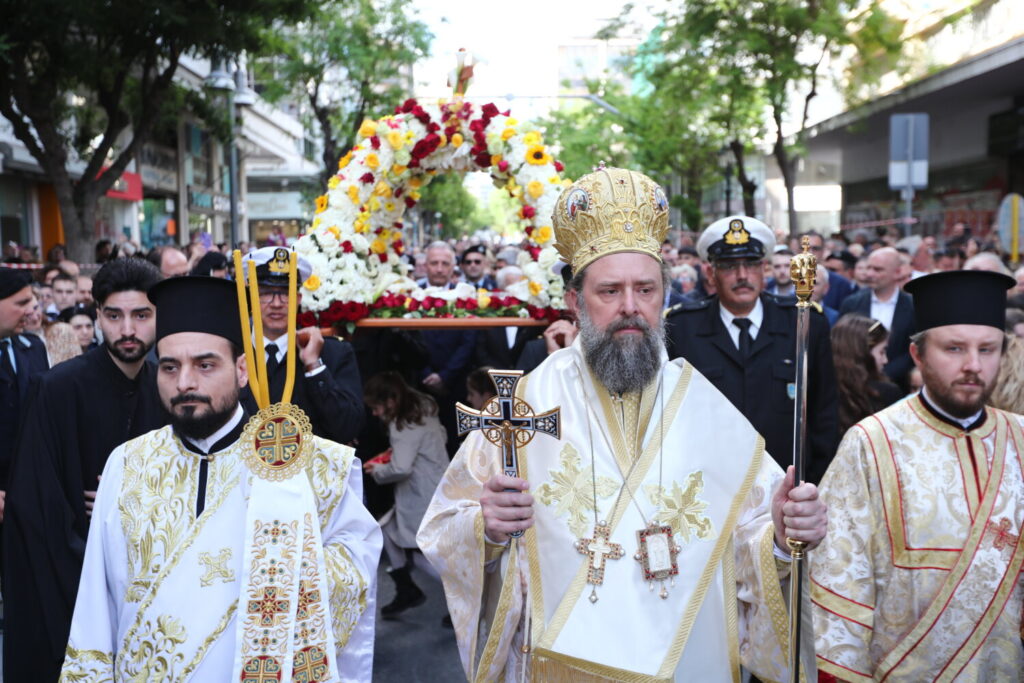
[(744, 342), (883, 301), (327, 384), (21, 358)]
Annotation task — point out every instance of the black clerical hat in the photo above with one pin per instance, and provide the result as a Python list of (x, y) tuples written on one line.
[(13, 281), (197, 304), (960, 297)]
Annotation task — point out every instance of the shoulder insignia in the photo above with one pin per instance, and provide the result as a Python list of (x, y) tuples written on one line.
[(687, 306)]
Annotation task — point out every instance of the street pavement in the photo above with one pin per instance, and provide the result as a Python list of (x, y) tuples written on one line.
[(415, 647)]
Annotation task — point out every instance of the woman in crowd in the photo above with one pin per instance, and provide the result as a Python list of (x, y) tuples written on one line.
[(82, 319), (417, 460), (858, 351)]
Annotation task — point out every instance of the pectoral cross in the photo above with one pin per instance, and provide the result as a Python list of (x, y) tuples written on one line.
[(507, 421), (599, 548)]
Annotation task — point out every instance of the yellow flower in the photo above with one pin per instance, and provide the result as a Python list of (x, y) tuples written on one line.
[(321, 203), (395, 140), (507, 133), (317, 221), (554, 180), (343, 162), (535, 188), (483, 298), (532, 138), (361, 226), (415, 196), (536, 288), (457, 140), (542, 235), (368, 128), (372, 161), (378, 246), (444, 140), (382, 189), (415, 183), (312, 283), (333, 182), (496, 159), (511, 122), (373, 204), (353, 194), (398, 169), (335, 231), (537, 155), (389, 206)]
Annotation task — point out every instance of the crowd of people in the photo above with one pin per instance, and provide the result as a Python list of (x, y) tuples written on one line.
[(81, 375)]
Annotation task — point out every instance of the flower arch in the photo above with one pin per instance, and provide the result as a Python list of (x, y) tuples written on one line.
[(356, 240)]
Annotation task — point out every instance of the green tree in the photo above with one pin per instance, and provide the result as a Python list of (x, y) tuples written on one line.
[(350, 62), (773, 52), (446, 195), (82, 83), (583, 134)]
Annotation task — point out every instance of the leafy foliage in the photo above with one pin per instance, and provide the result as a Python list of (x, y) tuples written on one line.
[(347, 63), (447, 195)]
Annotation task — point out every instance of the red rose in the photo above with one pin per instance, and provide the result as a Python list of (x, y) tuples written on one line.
[(460, 303), (346, 247), (489, 110), (413, 163), (534, 252), (503, 166), (306, 319), (433, 127), (527, 211), (399, 247), (483, 160), (409, 105), (409, 202), (537, 313), (375, 142), (398, 193), (471, 304), (529, 230), (559, 166), (477, 125), (414, 305), (383, 258), (366, 178)]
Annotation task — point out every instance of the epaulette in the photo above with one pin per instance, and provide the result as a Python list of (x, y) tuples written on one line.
[(687, 306)]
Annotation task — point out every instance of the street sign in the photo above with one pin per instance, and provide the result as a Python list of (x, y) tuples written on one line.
[(908, 151), (1011, 215)]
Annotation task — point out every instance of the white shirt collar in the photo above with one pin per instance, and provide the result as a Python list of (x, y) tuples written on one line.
[(205, 444), (756, 318), (891, 302), (964, 422), (281, 343)]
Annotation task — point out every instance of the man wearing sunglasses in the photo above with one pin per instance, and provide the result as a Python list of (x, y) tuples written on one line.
[(744, 340), (474, 268)]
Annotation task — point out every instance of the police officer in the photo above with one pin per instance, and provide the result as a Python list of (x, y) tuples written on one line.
[(744, 341)]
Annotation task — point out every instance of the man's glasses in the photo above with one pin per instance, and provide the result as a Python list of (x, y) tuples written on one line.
[(267, 296), (472, 262)]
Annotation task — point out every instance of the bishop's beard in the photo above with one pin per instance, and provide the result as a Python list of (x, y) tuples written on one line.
[(624, 364)]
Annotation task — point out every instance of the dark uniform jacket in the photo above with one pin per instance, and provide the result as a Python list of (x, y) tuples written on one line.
[(29, 360), (332, 398), (492, 347), (762, 387), (903, 328)]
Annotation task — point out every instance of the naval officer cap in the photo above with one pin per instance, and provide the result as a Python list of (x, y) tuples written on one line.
[(272, 266), (960, 297), (195, 303), (736, 237)]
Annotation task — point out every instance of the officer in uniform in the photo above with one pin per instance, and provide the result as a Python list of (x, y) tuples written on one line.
[(744, 341), (327, 384)]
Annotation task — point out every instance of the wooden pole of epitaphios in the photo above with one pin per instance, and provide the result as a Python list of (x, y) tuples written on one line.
[(803, 269)]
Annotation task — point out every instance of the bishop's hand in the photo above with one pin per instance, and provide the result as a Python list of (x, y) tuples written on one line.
[(798, 513), (506, 511)]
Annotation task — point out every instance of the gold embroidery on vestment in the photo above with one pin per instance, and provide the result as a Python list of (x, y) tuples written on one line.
[(681, 508), (571, 490), (216, 566)]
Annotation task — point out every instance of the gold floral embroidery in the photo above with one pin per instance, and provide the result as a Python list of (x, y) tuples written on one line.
[(571, 490), (328, 475), (89, 666), (348, 593), (216, 566), (151, 655), (681, 508)]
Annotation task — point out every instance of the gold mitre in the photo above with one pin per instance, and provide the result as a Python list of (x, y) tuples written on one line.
[(608, 211)]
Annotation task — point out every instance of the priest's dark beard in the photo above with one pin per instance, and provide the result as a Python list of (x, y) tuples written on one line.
[(623, 364), (943, 397), (193, 426)]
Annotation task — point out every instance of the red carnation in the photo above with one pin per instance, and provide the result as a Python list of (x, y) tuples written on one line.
[(529, 230), (503, 166), (489, 110), (398, 193), (414, 305), (366, 178), (306, 319), (346, 247), (399, 247), (409, 202), (413, 163), (383, 258), (375, 142), (449, 131), (409, 104), (483, 160), (460, 303), (534, 252), (559, 166), (433, 127), (477, 125), (528, 211), (471, 305)]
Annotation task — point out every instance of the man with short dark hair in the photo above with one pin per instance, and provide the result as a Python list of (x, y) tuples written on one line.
[(918, 578), (239, 548), (781, 283), (80, 411), (65, 291), (743, 340), (474, 268), (169, 260)]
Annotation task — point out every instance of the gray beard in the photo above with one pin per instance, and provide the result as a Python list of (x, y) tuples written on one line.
[(622, 365)]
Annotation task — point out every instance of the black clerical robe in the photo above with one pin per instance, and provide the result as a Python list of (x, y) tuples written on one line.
[(77, 413)]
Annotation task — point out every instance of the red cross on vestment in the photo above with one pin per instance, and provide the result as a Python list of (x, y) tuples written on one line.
[(269, 607), (308, 595), (1003, 537)]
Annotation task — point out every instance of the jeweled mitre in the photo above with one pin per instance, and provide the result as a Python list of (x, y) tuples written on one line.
[(608, 211)]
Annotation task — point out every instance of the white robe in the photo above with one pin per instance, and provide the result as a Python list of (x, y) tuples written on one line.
[(129, 625), (727, 605)]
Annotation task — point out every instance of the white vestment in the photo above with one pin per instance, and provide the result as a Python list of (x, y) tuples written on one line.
[(162, 591), (695, 463)]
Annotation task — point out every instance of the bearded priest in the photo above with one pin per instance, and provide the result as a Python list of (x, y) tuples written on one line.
[(221, 549), (655, 523), (920, 576)]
